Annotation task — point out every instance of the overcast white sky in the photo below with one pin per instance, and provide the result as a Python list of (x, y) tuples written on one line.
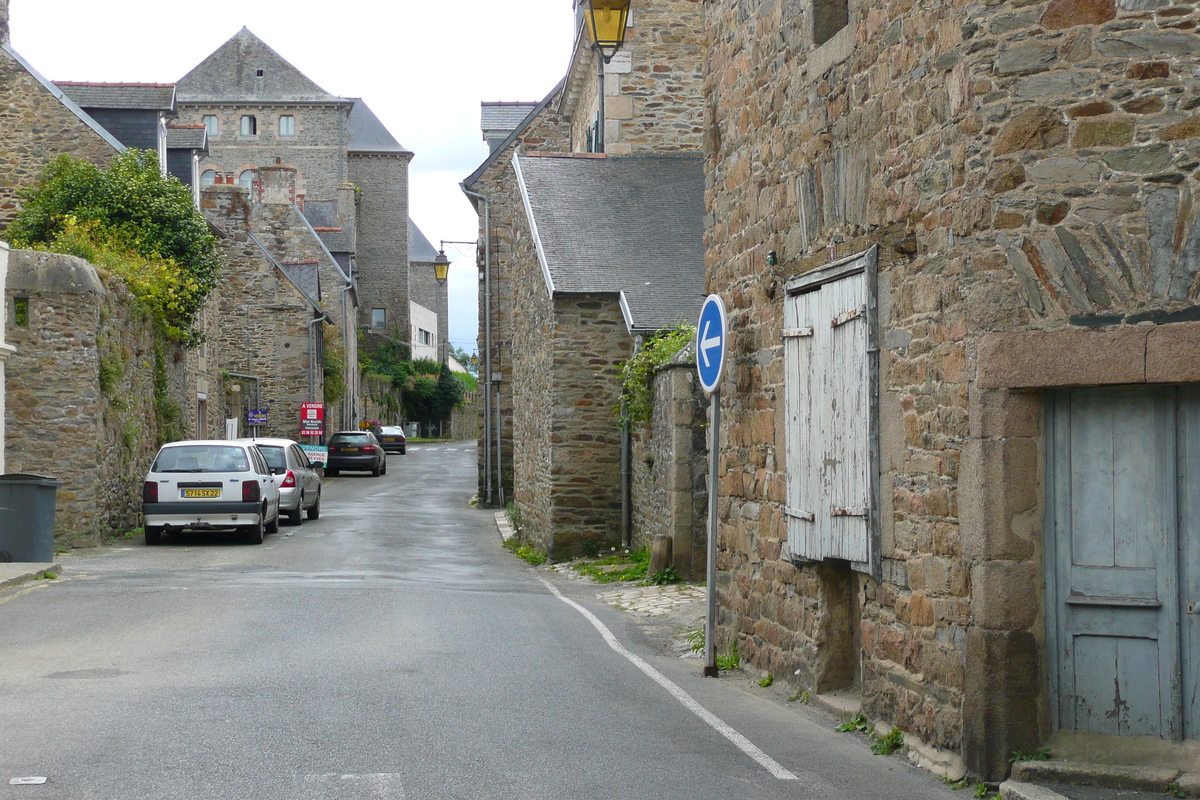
[(422, 67)]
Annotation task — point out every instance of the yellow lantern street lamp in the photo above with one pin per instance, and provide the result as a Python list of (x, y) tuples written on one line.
[(606, 21), (441, 267)]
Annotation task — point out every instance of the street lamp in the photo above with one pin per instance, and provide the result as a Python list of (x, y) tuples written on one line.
[(606, 22), (441, 271)]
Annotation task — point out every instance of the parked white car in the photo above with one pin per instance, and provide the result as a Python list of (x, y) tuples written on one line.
[(299, 481), (209, 485)]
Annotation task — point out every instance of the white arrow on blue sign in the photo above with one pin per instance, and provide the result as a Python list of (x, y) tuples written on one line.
[(711, 331)]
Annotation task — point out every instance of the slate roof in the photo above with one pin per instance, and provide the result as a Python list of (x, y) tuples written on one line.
[(62, 98), (470, 180), (187, 137), (322, 216), (503, 116), (632, 224), (367, 134), (131, 96), (230, 74), (420, 249), (305, 277)]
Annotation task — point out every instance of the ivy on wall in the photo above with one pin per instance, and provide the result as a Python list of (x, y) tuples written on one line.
[(637, 375)]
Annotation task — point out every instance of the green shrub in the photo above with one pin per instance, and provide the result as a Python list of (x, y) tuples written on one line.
[(637, 375)]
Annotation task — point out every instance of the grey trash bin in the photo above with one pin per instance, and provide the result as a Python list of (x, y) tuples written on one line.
[(27, 504)]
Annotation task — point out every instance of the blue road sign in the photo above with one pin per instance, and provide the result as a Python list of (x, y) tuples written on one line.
[(710, 342)]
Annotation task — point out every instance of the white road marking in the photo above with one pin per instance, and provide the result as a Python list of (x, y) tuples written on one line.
[(741, 742), (336, 786)]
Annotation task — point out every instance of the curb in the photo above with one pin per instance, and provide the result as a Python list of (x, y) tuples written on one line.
[(1016, 790), (505, 528), (15, 574), (1147, 779)]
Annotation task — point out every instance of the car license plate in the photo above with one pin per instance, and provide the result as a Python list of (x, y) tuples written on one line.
[(349, 449), (188, 493), (389, 438)]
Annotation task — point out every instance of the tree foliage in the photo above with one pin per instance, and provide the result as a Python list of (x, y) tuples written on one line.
[(637, 375), (133, 220)]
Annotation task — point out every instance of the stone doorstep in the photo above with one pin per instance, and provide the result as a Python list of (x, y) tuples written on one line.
[(1110, 776), (841, 704), (1016, 790)]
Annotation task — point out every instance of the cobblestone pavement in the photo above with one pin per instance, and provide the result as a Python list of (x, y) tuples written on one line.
[(654, 601)]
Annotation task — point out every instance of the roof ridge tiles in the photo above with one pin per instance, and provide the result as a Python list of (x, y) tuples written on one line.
[(122, 84), (549, 154)]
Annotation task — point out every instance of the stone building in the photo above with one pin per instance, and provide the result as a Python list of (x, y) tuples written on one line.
[(959, 253), (38, 123), (425, 290), (260, 110), (5, 349)]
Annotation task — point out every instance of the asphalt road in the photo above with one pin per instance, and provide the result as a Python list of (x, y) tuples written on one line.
[(390, 649)]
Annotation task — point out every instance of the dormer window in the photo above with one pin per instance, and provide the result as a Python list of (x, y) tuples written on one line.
[(249, 125)]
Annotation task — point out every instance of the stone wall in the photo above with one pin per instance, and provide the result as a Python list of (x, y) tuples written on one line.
[(382, 236), (549, 132), (653, 86), (466, 422), (36, 128), (1025, 171), (316, 151), (81, 391), (670, 468)]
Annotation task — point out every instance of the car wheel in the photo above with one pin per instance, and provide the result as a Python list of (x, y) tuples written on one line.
[(273, 525), (403, 451), (331, 473), (254, 535), (375, 471), (383, 469), (314, 511), (297, 517), (153, 535)]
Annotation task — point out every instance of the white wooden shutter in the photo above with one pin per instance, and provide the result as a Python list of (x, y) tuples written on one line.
[(830, 390)]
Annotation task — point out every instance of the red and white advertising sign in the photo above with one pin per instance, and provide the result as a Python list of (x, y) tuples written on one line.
[(312, 419)]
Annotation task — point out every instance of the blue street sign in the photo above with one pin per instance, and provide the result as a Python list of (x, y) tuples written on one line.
[(710, 342), (256, 417)]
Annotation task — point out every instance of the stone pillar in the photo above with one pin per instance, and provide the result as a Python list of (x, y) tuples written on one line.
[(227, 207), (5, 350), (278, 185)]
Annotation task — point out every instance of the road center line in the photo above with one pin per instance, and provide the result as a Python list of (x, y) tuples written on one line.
[(741, 742)]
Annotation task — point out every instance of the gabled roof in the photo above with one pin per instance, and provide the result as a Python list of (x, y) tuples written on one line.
[(62, 98), (367, 134), (420, 249), (246, 68), (187, 137), (129, 96), (632, 225), (335, 233), (470, 180), (503, 115)]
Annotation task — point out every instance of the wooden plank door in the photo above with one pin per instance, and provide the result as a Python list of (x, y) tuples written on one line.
[(1113, 567)]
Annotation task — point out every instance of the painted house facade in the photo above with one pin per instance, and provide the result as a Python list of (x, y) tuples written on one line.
[(959, 255)]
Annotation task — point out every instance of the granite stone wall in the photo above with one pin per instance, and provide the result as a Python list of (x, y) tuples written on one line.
[(1026, 171), (382, 236), (36, 128)]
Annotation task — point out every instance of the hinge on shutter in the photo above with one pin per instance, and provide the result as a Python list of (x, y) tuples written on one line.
[(846, 316), (807, 516), (793, 333), (852, 511)]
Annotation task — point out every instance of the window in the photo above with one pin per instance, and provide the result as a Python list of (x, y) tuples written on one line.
[(829, 17), (211, 125), (831, 395), (249, 125), (21, 312), (258, 73), (246, 178), (424, 337), (208, 177), (378, 319), (287, 125)]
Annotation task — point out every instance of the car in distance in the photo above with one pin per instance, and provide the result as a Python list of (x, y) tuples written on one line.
[(392, 438), (207, 485), (299, 481), (355, 450)]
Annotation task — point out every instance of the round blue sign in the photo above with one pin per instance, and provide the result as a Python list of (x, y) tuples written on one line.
[(711, 331)]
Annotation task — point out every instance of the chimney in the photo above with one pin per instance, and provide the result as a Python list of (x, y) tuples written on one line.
[(345, 202), (3, 21), (278, 185)]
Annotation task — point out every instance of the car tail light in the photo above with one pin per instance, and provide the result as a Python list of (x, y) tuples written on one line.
[(289, 480), (149, 492), (251, 492), (368, 448)]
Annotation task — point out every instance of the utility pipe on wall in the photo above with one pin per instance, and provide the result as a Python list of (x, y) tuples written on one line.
[(626, 472)]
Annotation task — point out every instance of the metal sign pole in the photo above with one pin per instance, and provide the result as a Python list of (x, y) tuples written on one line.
[(710, 618)]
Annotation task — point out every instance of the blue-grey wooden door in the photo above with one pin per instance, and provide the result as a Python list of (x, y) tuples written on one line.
[(1117, 471)]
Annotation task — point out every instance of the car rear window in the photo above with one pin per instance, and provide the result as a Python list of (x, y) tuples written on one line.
[(348, 438), (392, 431), (274, 456), (201, 458)]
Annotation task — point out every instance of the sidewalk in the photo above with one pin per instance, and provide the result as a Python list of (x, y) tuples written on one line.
[(17, 573)]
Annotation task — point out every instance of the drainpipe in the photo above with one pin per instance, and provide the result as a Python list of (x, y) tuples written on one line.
[(487, 351), (351, 398), (312, 358), (257, 395), (626, 471)]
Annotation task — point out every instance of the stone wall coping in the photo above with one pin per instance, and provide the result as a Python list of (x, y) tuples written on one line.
[(52, 273)]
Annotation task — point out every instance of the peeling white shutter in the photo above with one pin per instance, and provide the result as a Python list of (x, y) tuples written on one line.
[(831, 417)]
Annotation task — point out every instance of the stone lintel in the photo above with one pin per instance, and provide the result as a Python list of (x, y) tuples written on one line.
[(1037, 359)]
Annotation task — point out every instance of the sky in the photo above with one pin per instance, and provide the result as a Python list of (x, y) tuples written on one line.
[(422, 67)]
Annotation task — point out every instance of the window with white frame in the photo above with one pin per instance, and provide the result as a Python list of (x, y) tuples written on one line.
[(249, 125), (424, 337), (211, 125), (246, 178), (378, 319), (287, 125), (208, 177), (831, 390)]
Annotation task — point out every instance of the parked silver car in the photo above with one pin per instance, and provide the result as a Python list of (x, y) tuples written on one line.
[(299, 482), (207, 485)]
